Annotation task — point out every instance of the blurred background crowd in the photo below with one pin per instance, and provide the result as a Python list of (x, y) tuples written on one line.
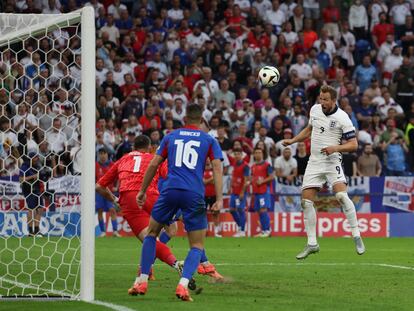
[(153, 58)]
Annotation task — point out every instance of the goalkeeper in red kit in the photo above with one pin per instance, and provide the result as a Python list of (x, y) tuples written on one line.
[(130, 170)]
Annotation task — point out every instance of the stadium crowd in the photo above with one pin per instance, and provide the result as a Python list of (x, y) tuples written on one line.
[(153, 58)]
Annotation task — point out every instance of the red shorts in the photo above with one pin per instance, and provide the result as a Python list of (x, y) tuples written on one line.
[(137, 218)]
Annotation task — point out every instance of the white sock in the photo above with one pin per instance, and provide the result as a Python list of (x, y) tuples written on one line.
[(184, 282), (309, 219), (217, 229), (142, 278), (349, 210)]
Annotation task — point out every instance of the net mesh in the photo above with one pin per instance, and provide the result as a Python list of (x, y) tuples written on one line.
[(40, 151)]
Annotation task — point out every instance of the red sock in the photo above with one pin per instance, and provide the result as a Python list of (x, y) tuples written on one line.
[(163, 253)]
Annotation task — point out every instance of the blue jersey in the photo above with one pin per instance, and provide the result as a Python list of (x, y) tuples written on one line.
[(187, 150)]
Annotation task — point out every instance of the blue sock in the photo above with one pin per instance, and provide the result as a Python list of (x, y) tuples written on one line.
[(114, 224), (191, 262), (148, 254), (264, 221), (102, 225), (164, 237), (203, 256), (236, 217), (242, 217)]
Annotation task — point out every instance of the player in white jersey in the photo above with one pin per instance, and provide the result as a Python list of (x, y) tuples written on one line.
[(328, 127)]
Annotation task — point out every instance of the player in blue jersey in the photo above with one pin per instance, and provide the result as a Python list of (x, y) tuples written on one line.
[(187, 150)]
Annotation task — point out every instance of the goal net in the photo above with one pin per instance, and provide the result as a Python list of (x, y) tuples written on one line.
[(47, 102)]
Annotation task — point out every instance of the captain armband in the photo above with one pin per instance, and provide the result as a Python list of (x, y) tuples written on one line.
[(349, 135)]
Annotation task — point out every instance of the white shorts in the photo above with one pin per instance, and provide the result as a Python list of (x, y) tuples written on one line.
[(317, 173)]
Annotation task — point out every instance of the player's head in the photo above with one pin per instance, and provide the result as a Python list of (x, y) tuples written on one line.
[(327, 98), (193, 114), (258, 154), (238, 153), (142, 143)]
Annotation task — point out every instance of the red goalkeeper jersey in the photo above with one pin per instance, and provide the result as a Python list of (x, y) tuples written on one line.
[(130, 171)]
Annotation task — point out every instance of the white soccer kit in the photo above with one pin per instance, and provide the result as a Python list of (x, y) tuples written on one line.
[(327, 130)]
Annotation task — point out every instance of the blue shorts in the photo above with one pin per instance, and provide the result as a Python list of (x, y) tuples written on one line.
[(235, 202), (101, 202), (261, 201), (192, 206)]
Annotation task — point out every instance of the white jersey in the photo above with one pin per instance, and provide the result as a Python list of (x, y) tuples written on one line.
[(328, 130)]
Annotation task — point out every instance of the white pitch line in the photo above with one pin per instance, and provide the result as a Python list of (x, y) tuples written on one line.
[(56, 292), (384, 265), (110, 305), (22, 285)]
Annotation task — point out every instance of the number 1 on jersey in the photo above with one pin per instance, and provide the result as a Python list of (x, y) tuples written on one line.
[(137, 164)]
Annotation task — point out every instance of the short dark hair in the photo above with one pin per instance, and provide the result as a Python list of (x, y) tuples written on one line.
[(142, 142), (194, 113)]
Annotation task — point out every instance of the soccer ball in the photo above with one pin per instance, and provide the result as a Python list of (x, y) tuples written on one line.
[(269, 76)]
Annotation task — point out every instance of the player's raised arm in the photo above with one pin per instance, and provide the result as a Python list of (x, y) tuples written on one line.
[(304, 134)]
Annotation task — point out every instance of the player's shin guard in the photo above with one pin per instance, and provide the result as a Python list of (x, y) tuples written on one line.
[(203, 258), (102, 225), (242, 217), (164, 237), (147, 254), (164, 254), (114, 224), (264, 220), (309, 219), (236, 217), (190, 265), (348, 208)]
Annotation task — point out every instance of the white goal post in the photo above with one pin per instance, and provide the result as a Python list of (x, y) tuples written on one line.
[(19, 27)]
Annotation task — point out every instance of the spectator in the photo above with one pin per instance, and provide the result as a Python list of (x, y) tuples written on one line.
[(331, 17), (262, 136), (389, 132), (111, 30), (302, 158), (399, 12), (30, 183), (56, 139), (145, 120), (366, 110), (404, 77), (330, 45), (286, 165), (276, 17), (368, 163), (298, 120), (384, 103), (224, 94), (395, 150), (241, 67), (391, 64), (358, 20), (364, 136), (287, 134), (297, 20), (303, 70), (222, 138), (364, 73), (381, 30), (347, 44)]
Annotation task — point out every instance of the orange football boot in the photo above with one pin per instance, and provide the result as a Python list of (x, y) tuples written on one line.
[(182, 293)]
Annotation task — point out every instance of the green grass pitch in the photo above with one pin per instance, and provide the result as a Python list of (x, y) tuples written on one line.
[(263, 274)]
